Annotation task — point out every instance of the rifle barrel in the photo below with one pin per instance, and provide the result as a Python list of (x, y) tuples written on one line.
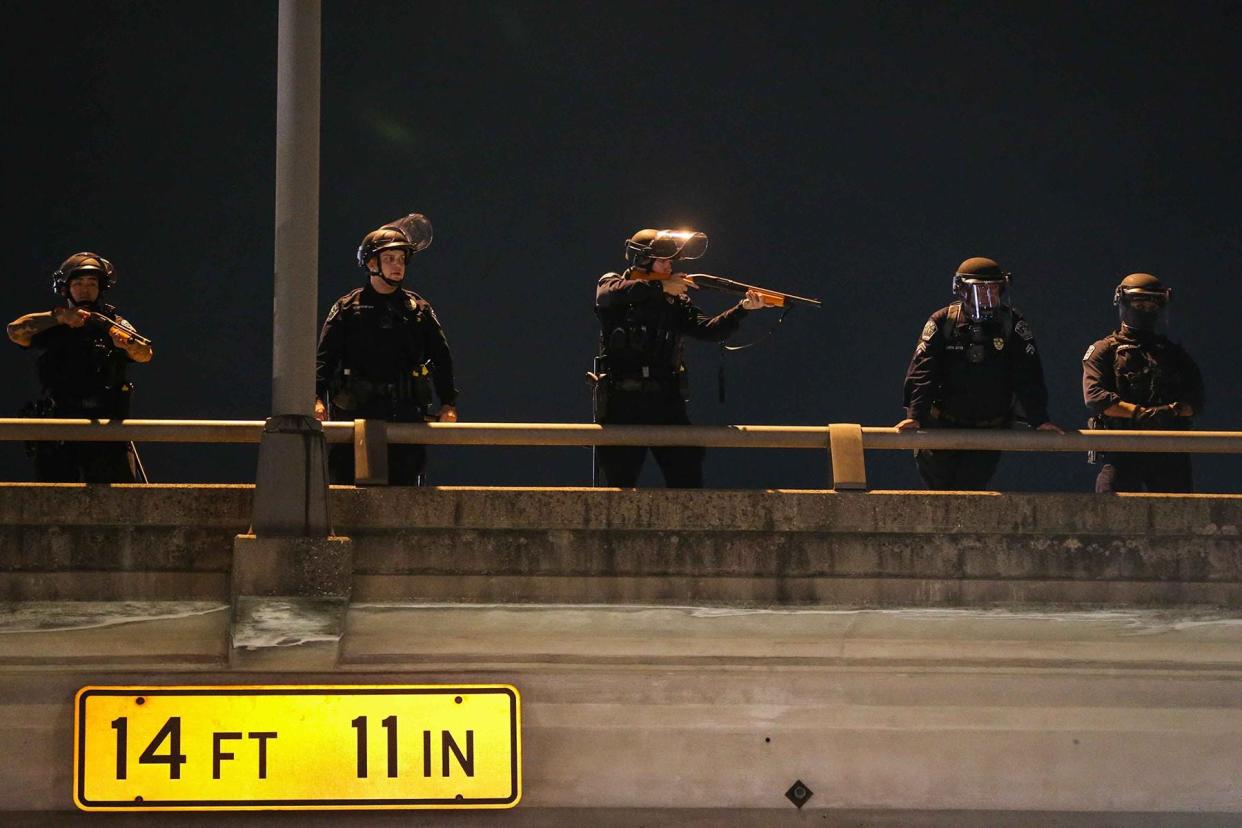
[(720, 283), (99, 319)]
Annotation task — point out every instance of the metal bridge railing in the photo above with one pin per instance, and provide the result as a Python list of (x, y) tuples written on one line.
[(846, 443)]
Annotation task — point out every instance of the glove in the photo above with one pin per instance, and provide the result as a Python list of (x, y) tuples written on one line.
[(1156, 417)]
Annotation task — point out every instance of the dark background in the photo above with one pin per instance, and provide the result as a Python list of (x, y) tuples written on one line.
[(852, 151)]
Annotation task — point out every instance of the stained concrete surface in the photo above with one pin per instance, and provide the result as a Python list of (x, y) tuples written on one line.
[(753, 548), (698, 716)]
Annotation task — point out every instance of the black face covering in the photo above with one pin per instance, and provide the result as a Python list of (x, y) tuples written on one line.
[(1146, 318), (1141, 320)]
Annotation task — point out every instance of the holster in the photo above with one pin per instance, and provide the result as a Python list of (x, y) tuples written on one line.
[(417, 386)]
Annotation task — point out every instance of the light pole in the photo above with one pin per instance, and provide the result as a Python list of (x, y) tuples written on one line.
[(291, 486)]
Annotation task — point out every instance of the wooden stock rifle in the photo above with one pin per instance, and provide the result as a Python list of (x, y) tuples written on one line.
[(111, 324), (771, 298)]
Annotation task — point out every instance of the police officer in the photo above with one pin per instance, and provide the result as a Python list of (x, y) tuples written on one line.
[(84, 347), (644, 313), (382, 350), (972, 358), (1136, 378)]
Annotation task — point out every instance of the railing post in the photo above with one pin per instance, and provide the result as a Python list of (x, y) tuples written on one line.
[(370, 453), (845, 447)]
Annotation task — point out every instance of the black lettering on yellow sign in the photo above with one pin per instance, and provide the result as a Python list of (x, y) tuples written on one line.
[(413, 746), (389, 724), (170, 731), (448, 745), (218, 755)]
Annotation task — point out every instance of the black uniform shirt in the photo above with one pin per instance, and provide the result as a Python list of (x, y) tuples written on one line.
[(81, 363), (382, 337), (941, 372), (642, 326), (1142, 368)]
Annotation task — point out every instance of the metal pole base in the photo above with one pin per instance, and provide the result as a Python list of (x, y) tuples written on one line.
[(291, 487)]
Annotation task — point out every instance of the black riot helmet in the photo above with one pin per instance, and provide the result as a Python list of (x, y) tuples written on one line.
[(411, 234), (982, 287), (1141, 300), (83, 264), (647, 245)]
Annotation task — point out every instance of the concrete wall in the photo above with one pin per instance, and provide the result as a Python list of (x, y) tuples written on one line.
[(603, 546), (940, 709), (676, 716)]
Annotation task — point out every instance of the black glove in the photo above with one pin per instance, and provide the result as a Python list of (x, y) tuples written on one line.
[(1156, 417)]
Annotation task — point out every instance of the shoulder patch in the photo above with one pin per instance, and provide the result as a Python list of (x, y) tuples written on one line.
[(1023, 329), (1090, 351), (929, 330)]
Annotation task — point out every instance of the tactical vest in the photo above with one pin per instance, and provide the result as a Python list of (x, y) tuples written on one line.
[(82, 367), (977, 378), (949, 324), (1146, 374), (640, 340)]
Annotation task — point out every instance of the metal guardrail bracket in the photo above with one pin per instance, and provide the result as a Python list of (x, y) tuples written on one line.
[(845, 447), (370, 453)]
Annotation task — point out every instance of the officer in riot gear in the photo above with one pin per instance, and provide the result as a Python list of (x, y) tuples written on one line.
[(1136, 378), (973, 358), (640, 374), (84, 349), (382, 351)]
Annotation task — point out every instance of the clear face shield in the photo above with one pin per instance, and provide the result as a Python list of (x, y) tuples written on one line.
[(417, 228), (1144, 309), (982, 299)]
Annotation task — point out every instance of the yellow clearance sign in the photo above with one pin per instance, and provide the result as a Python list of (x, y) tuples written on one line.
[(297, 747)]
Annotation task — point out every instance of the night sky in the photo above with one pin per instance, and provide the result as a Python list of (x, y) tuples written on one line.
[(852, 151)]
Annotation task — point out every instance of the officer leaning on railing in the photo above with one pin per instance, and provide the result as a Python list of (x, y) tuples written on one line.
[(382, 351), (971, 361), (1136, 378), (84, 347)]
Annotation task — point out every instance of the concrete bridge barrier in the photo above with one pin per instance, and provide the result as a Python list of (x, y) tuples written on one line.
[(749, 548), (689, 658)]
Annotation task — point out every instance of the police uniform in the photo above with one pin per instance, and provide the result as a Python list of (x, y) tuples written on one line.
[(1148, 370), (966, 375), (82, 374), (379, 357), (641, 330)]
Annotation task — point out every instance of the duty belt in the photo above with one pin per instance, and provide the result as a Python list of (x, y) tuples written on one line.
[(91, 403), (364, 386), (638, 384), (994, 422)]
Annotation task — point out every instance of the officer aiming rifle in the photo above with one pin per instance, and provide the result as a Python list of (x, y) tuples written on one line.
[(639, 373)]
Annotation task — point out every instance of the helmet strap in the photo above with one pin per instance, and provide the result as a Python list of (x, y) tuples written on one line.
[(379, 274)]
